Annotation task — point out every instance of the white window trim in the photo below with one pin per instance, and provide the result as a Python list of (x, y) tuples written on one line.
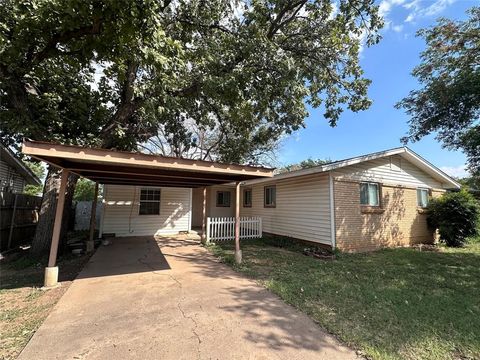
[(368, 193), (159, 201), (428, 195)]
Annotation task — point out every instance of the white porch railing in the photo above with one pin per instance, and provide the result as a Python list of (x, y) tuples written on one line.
[(223, 228)]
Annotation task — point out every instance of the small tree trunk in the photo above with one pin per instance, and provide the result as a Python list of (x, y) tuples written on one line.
[(43, 232)]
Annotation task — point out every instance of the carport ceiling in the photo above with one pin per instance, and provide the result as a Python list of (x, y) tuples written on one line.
[(128, 168)]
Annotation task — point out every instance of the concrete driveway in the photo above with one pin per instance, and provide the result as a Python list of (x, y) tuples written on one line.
[(142, 298)]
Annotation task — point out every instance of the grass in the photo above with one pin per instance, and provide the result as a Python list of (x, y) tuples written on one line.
[(23, 305), (389, 304)]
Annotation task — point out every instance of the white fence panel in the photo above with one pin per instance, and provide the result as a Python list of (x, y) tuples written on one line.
[(223, 228)]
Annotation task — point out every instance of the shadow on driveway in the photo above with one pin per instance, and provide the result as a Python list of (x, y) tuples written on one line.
[(170, 299)]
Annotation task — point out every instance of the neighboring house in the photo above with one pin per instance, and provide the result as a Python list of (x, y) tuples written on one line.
[(359, 204), (14, 174)]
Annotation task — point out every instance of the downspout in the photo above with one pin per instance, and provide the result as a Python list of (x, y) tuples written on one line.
[(130, 230), (332, 211), (104, 208)]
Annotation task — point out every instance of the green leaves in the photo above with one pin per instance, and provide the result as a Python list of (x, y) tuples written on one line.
[(242, 71), (449, 101), (456, 216)]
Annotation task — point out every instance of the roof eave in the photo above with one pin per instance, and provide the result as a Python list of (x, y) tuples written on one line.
[(433, 170), (20, 167)]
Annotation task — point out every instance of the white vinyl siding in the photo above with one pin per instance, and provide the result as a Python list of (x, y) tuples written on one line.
[(121, 212), (220, 211), (8, 176), (302, 208), (393, 170)]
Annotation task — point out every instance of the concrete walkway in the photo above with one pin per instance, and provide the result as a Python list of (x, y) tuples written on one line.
[(170, 299)]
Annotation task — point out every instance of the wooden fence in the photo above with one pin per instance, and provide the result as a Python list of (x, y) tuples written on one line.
[(223, 228), (18, 218)]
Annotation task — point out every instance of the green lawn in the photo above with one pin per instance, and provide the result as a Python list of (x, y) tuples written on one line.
[(390, 304)]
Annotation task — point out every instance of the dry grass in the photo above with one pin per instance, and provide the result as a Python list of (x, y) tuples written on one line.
[(23, 305)]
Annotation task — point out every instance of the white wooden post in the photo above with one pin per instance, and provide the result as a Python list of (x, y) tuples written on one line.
[(260, 229), (208, 230), (51, 272), (238, 252)]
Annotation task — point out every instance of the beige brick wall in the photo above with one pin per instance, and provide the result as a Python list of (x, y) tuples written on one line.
[(399, 223)]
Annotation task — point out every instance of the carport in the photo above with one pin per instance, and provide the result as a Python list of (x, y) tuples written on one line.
[(137, 169)]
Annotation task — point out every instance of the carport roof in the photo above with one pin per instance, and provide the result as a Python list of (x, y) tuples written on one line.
[(128, 168)]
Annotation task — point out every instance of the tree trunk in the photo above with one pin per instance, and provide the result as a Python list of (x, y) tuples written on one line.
[(43, 232)]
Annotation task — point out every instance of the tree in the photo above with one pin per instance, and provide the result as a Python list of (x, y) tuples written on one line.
[(455, 215), (305, 164), (448, 103), (113, 73), (39, 170), (84, 191), (205, 144), (470, 182)]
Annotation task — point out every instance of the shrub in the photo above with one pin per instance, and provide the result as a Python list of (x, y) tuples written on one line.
[(455, 215)]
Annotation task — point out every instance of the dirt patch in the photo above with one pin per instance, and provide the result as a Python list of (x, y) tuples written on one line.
[(23, 306), (319, 253), (426, 247)]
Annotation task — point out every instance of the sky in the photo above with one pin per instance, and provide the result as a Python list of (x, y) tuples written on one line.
[(389, 65)]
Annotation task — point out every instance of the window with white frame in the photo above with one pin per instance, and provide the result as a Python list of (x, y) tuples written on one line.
[(149, 202), (223, 198), (422, 197), (270, 196), (370, 194), (247, 198)]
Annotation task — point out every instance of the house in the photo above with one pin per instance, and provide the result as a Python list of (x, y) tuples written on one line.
[(144, 194), (358, 204), (14, 174)]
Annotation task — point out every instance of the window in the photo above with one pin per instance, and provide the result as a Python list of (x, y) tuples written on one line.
[(223, 198), (149, 202), (247, 198), (270, 196), (422, 197), (369, 194)]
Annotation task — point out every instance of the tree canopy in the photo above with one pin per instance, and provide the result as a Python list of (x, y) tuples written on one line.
[(39, 171), (448, 103), (85, 190), (304, 164), (112, 73)]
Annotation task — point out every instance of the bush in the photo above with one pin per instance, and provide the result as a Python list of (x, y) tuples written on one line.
[(455, 215)]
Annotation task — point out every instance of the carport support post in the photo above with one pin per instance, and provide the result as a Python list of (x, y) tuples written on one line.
[(204, 215), (51, 272), (93, 214), (238, 252)]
